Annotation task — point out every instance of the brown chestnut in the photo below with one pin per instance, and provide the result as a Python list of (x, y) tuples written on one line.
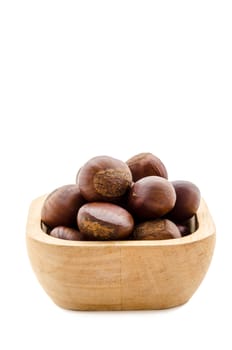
[(104, 178), (184, 229), (156, 229), (188, 226), (146, 164), (187, 200), (67, 233), (151, 197), (104, 221), (61, 206)]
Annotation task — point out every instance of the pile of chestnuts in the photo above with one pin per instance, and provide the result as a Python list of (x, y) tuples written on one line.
[(116, 200)]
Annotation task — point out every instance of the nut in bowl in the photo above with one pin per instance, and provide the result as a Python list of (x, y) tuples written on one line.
[(128, 273)]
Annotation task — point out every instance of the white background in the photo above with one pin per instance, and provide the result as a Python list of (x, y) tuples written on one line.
[(86, 78)]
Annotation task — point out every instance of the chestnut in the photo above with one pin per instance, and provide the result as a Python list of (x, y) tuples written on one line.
[(187, 200), (67, 233), (146, 164), (61, 206), (188, 226), (104, 221), (156, 229), (151, 197), (104, 178), (184, 229)]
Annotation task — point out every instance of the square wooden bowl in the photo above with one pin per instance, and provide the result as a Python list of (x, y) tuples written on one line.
[(120, 275)]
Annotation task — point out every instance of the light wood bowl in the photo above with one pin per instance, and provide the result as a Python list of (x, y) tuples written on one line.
[(120, 275)]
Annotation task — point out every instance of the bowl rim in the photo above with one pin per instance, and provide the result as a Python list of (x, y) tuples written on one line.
[(34, 231)]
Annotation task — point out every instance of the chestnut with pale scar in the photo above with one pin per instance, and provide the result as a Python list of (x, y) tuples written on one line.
[(104, 178), (104, 221), (156, 229)]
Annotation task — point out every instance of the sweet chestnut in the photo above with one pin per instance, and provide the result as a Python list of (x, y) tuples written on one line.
[(104, 178), (67, 233), (61, 206), (146, 164), (184, 229), (156, 229), (187, 200), (151, 197), (104, 221)]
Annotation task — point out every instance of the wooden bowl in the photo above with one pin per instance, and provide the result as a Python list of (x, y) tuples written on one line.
[(120, 275)]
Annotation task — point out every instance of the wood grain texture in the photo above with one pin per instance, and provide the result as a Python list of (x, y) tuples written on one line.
[(120, 275)]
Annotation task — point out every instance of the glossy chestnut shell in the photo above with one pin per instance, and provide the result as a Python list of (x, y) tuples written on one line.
[(104, 221), (104, 178), (151, 197)]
